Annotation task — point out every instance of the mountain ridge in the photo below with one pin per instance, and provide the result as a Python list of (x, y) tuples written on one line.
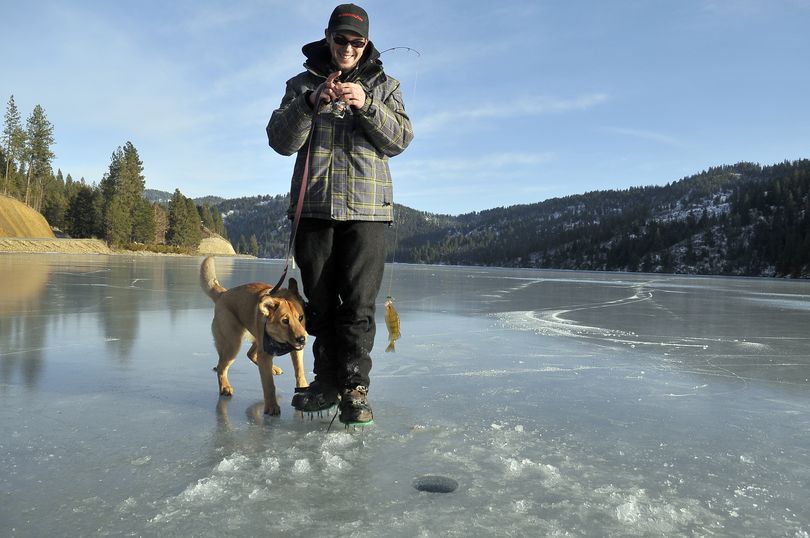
[(743, 219)]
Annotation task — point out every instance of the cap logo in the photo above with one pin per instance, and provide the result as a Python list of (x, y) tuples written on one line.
[(353, 15)]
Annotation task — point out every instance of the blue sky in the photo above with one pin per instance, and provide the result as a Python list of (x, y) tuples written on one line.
[(512, 102)]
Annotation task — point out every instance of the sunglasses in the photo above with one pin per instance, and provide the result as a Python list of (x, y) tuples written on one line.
[(342, 41)]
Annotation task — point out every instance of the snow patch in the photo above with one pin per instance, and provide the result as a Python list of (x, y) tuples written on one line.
[(302, 466)]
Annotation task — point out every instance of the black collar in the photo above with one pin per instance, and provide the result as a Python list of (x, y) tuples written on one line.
[(277, 349)]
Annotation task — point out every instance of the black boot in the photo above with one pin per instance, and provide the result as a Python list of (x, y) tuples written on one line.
[(354, 407), (316, 397)]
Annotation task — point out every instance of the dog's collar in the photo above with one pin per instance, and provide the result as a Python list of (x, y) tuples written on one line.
[(274, 348), (271, 346)]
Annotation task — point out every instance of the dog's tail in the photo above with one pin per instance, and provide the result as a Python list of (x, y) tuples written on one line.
[(208, 279)]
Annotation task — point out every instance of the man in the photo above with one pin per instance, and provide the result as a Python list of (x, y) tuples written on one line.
[(360, 122)]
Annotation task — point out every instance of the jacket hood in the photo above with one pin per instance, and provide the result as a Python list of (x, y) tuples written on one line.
[(319, 62)]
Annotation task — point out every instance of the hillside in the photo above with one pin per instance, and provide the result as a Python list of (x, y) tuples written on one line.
[(743, 219), (265, 217), (163, 197), (19, 220)]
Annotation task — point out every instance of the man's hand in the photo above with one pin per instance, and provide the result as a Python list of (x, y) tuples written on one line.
[(352, 94), (327, 90)]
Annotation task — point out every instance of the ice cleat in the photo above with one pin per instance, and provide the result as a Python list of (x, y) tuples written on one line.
[(354, 407), (315, 398)]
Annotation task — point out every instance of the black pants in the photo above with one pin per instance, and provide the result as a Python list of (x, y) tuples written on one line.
[(342, 268)]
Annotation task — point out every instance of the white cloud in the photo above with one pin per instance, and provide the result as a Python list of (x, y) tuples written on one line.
[(528, 106), (456, 185), (491, 166), (646, 135), (750, 8)]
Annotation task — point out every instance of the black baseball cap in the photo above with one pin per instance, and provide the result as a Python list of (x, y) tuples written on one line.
[(351, 18)]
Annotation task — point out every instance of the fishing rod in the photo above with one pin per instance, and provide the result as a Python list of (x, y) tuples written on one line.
[(413, 93)]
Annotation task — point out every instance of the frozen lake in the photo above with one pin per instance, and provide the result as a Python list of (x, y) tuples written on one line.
[(563, 403)]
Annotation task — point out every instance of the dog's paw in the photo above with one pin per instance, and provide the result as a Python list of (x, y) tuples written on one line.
[(227, 390), (277, 370), (272, 410)]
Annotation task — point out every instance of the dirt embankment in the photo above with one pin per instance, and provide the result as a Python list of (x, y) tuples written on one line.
[(65, 246), (19, 220), (23, 229)]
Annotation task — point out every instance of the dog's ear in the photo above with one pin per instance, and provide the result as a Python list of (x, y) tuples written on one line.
[(266, 305), (292, 285)]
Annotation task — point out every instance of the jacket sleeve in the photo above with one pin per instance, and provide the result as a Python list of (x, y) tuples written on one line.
[(289, 126), (386, 123)]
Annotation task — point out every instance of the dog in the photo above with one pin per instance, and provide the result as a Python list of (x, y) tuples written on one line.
[(270, 320)]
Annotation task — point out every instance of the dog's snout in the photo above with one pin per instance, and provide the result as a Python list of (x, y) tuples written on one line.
[(301, 340)]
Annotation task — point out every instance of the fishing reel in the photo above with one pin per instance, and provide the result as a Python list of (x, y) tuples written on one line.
[(337, 108)]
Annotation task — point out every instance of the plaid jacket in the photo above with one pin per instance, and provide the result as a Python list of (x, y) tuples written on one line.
[(349, 178)]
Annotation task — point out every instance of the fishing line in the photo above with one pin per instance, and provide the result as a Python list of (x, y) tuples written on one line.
[(413, 95)]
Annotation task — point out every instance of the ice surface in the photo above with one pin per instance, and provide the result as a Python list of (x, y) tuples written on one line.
[(562, 403)]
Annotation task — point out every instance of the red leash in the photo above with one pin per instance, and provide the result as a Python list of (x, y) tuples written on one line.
[(299, 207)]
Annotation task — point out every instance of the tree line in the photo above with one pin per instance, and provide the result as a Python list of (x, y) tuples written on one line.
[(114, 209), (742, 219)]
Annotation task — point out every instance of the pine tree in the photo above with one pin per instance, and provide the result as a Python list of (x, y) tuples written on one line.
[(116, 219), (207, 218), (132, 181), (161, 219), (39, 135), (126, 218), (55, 203), (194, 224), (184, 222), (109, 183), (13, 140), (253, 246), (219, 224), (178, 218), (143, 222), (118, 224), (83, 213)]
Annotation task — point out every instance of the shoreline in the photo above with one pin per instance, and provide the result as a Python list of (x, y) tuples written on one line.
[(45, 245)]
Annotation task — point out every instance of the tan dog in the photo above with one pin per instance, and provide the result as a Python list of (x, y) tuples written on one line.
[(249, 312)]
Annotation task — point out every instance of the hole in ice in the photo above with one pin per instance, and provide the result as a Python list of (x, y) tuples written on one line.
[(435, 484)]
